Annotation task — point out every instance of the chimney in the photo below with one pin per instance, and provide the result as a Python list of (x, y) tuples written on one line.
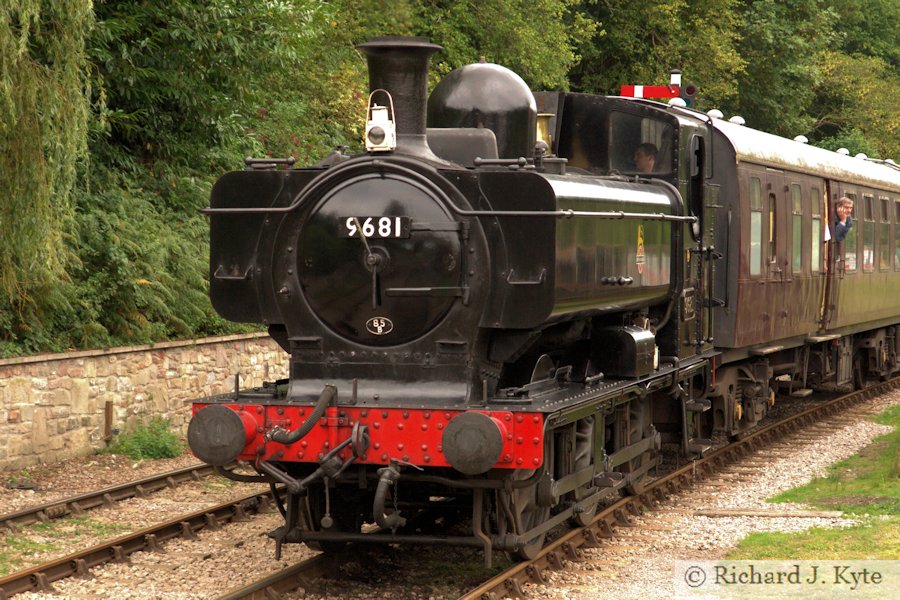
[(400, 66)]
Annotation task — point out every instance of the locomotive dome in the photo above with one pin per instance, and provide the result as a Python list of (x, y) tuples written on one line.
[(490, 96)]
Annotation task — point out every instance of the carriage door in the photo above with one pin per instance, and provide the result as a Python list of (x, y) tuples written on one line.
[(833, 260), (777, 250)]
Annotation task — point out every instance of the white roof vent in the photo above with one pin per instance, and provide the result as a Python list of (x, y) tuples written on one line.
[(861, 155), (716, 114), (737, 120), (802, 139), (843, 151), (677, 102)]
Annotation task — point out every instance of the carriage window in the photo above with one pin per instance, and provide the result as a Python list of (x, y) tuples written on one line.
[(868, 234), (884, 234), (796, 228), (632, 138), (755, 226), (772, 228), (850, 240), (897, 235), (815, 206)]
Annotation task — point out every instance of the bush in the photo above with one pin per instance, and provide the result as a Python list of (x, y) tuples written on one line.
[(155, 439)]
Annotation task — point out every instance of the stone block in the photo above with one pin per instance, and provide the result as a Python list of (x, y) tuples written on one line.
[(19, 446), (141, 377), (17, 391), (27, 411), (81, 397)]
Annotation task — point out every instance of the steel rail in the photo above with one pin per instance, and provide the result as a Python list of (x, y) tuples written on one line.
[(303, 573), (567, 547), (40, 577), (286, 580), (76, 505)]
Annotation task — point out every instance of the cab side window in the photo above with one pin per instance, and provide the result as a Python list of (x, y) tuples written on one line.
[(639, 144)]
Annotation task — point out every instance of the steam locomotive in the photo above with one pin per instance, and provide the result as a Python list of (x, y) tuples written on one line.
[(493, 312)]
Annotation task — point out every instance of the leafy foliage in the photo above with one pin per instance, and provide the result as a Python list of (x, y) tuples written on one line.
[(116, 116), (781, 42), (153, 439), (535, 38), (857, 101), (44, 112), (180, 77), (643, 41)]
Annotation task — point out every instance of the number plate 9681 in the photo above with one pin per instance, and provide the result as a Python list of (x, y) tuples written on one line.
[(376, 227)]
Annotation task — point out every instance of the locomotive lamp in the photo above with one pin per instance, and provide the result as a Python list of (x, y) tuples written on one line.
[(381, 132)]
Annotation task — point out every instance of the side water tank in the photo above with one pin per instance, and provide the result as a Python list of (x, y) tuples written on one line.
[(490, 96)]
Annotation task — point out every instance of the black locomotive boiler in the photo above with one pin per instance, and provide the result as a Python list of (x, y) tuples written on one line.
[(487, 321)]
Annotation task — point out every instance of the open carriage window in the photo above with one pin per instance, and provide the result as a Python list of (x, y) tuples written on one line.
[(639, 144)]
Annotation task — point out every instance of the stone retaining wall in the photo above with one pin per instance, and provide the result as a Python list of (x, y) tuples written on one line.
[(52, 406)]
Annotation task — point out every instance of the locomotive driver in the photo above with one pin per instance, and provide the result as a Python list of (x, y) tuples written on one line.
[(645, 157)]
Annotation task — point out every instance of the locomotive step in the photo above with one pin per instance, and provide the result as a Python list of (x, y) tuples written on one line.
[(699, 445), (803, 393), (701, 405)]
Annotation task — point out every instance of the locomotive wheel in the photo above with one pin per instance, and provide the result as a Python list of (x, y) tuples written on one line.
[(584, 454), (528, 514), (636, 429), (860, 372)]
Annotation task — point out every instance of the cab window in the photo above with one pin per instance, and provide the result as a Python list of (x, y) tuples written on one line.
[(639, 144)]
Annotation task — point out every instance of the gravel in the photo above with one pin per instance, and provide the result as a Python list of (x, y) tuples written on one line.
[(641, 563), (47, 483)]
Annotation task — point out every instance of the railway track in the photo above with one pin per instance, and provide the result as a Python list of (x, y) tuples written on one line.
[(512, 583), (41, 577), (77, 505), (568, 547)]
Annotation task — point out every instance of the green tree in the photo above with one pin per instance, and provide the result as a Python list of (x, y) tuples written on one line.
[(857, 101), (869, 28), (44, 116), (180, 77), (538, 39), (781, 42), (643, 41), (857, 105)]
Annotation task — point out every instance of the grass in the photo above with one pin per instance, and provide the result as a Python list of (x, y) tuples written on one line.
[(865, 486), (28, 546), (154, 439)]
